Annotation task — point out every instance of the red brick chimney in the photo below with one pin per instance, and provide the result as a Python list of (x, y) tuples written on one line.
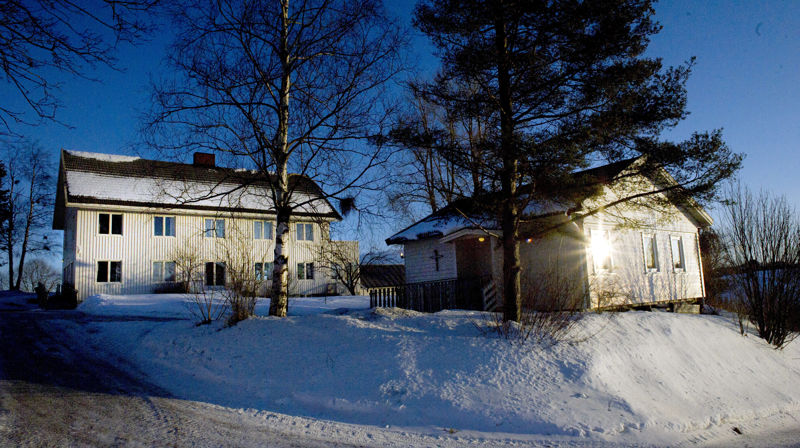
[(204, 159)]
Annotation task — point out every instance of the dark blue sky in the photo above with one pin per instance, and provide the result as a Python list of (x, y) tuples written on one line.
[(746, 81)]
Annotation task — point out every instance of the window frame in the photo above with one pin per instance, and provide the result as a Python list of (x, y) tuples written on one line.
[(110, 224), (214, 231), (110, 272), (162, 278), (681, 253), (308, 228), (164, 227), (652, 237), (262, 234), (306, 269), (266, 270), (215, 274)]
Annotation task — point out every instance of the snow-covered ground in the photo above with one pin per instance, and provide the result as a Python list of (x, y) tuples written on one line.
[(337, 367)]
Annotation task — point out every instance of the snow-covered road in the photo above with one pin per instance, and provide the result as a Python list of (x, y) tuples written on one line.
[(56, 392)]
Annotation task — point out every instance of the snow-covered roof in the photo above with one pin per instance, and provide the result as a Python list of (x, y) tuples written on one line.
[(467, 213), (462, 215), (94, 178)]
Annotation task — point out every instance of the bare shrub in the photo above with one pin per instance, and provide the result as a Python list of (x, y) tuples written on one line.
[(241, 284), (37, 272), (762, 235), (551, 309), (208, 305)]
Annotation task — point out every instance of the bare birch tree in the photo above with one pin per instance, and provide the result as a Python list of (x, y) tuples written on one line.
[(289, 90), (30, 190)]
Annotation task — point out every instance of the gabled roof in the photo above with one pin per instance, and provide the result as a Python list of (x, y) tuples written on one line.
[(465, 213), (107, 179)]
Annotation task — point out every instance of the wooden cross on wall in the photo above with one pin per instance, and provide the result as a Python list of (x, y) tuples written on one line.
[(436, 256)]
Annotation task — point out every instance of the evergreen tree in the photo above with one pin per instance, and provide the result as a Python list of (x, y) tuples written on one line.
[(562, 84)]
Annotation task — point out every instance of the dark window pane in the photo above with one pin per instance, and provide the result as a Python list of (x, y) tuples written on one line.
[(169, 271), (209, 228), (268, 230), (102, 271), (310, 271), (158, 272), (220, 274), (300, 232), (268, 267), (158, 226), (103, 223), (116, 224), (220, 226), (169, 226), (309, 232), (209, 274), (259, 271), (257, 232), (301, 272), (116, 271)]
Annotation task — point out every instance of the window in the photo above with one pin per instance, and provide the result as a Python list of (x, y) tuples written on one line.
[(163, 271), (601, 251), (650, 252), (305, 271), (215, 273), (264, 271), (305, 232), (677, 253), (214, 228), (109, 271), (164, 226), (109, 224), (262, 230)]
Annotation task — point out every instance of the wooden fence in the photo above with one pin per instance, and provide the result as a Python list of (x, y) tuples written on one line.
[(430, 297)]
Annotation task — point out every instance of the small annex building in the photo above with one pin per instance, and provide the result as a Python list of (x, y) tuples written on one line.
[(134, 226), (616, 256)]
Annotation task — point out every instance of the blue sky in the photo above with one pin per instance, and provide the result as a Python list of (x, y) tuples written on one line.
[(746, 81)]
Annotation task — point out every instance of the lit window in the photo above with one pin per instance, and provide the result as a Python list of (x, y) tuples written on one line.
[(650, 252), (109, 224), (601, 251), (262, 230), (305, 232), (214, 228), (678, 262), (164, 226)]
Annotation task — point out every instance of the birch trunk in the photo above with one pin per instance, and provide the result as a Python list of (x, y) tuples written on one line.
[(279, 302)]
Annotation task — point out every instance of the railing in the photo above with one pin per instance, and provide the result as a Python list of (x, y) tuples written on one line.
[(430, 297)]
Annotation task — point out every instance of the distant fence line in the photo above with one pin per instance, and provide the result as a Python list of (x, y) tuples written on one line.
[(430, 297)]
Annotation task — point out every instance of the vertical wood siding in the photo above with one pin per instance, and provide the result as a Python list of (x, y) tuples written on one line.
[(420, 265), (629, 281), (137, 248)]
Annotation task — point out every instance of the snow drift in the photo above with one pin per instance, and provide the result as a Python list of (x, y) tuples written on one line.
[(638, 377)]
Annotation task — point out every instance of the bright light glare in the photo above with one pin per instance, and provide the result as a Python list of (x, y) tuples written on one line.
[(601, 249)]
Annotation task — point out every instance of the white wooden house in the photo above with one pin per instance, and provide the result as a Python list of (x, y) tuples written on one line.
[(628, 254), (130, 223)]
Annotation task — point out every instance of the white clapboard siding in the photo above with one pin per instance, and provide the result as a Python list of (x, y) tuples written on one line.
[(421, 265), (137, 248), (628, 280)]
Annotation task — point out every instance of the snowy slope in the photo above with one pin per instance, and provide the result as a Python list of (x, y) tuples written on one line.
[(635, 377)]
